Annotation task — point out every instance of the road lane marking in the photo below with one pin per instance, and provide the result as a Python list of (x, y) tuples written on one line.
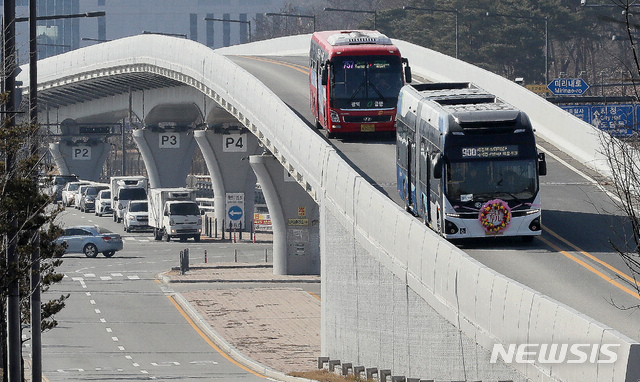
[(587, 254), (298, 67), (590, 268), (204, 336)]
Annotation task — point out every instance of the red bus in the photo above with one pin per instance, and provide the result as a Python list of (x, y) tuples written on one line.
[(355, 78)]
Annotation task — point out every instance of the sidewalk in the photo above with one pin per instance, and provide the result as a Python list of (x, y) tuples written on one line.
[(269, 319)]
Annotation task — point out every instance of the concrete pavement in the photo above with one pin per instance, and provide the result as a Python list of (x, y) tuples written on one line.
[(269, 324)]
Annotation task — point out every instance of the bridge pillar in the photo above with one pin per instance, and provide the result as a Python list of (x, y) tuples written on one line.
[(167, 154), (295, 218), (226, 153), (82, 158)]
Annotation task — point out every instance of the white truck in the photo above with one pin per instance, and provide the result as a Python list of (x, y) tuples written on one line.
[(173, 212), (124, 189)]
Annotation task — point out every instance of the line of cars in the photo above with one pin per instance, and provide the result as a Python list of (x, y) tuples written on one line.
[(87, 196), (125, 198), (171, 213)]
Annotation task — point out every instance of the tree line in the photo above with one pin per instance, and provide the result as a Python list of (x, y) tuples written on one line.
[(504, 37)]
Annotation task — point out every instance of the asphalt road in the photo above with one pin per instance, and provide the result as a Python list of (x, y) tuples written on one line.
[(573, 262), (120, 323)]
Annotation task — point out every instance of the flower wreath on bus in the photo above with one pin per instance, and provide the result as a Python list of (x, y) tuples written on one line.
[(495, 216)]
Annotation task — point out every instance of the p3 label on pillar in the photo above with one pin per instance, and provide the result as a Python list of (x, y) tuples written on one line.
[(234, 143), (169, 140)]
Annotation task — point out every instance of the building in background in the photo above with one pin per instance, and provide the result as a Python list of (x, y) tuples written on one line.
[(132, 17)]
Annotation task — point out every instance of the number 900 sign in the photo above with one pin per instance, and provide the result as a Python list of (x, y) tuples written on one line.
[(469, 152)]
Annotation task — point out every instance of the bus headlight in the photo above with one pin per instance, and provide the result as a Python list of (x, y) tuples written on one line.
[(335, 118)]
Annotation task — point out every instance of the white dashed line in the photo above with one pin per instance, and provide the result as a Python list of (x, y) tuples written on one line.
[(81, 280)]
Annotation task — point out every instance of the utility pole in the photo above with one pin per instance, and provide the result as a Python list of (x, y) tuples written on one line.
[(14, 347)]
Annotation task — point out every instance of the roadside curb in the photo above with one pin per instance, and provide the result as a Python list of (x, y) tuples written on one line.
[(223, 344)]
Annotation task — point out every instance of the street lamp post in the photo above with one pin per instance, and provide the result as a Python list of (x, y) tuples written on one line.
[(232, 21), (583, 3), (375, 14), (93, 39), (455, 11), (166, 34), (313, 17), (546, 37), (36, 375)]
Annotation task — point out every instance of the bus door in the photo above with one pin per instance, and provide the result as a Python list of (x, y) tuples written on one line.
[(424, 181), (436, 202), (411, 174), (323, 90)]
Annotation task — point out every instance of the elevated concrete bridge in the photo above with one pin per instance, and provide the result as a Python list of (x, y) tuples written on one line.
[(394, 294)]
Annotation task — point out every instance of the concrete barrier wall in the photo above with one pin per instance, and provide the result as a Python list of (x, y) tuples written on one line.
[(386, 275)]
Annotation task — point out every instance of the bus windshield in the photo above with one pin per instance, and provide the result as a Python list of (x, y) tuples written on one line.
[(366, 82), (510, 180)]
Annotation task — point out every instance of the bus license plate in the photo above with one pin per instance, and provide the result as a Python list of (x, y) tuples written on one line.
[(367, 127)]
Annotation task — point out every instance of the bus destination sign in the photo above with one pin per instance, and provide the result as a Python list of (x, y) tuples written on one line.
[(485, 152)]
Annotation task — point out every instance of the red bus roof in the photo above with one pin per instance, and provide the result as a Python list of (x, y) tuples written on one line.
[(355, 42)]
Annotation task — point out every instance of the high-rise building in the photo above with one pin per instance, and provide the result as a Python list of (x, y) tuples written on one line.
[(185, 18)]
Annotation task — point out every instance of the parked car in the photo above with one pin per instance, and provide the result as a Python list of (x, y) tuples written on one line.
[(88, 199), (136, 216), (57, 185), (90, 240), (103, 203), (77, 196), (69, 191)]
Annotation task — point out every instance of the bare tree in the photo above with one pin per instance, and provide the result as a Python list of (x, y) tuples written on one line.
[(623, 157)]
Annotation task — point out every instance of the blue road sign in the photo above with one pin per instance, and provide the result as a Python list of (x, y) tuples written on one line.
[(568, 86), (581, 111), (617, 120), (235, 213)]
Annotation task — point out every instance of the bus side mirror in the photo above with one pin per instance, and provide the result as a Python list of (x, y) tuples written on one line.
[(324, 76), (436, 165), (542, 164), (407, 70)]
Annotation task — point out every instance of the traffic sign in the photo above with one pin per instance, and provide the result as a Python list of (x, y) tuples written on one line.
[(617, 120), (538, 89), (568, 86), (235, 213), (235, 208)]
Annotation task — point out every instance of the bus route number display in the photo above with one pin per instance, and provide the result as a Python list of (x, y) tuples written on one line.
[(490, 152)]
